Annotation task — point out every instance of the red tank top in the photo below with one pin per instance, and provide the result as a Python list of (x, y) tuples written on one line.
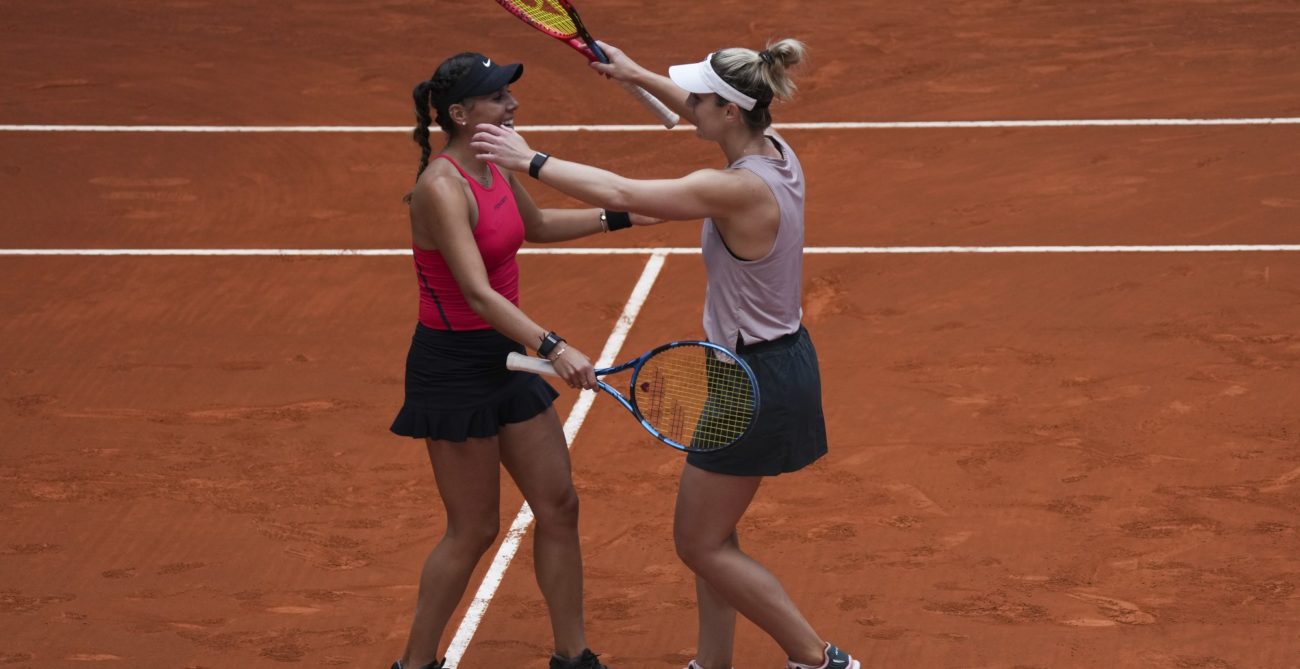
[(499, 234)]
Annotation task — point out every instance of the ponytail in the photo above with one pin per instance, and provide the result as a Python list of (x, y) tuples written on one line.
[(422, 122), (761, 75), (447, 74)]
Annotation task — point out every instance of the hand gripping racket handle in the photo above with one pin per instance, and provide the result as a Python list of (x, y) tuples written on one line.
[(519, 362), (666, 115)]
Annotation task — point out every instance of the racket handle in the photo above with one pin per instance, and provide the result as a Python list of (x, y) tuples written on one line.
[(525, 363), (666, 115)]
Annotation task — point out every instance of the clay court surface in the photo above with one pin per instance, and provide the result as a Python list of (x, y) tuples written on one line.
[(1037, 459)]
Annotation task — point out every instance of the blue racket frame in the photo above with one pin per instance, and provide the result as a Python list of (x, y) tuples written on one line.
[(518, 361)]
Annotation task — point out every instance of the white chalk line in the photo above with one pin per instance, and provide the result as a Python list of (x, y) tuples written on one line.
[(686, 250), (826, 125)]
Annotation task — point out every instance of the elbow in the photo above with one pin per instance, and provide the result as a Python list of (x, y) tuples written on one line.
[(621, 198), (536, 235), (479, 301)]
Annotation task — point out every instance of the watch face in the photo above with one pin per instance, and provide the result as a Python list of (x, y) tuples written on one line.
[(549, 341)]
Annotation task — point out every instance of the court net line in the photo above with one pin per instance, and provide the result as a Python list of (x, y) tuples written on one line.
[(815, 125), (686, 250), (524, 519)]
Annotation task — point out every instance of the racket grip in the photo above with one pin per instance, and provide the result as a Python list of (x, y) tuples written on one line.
[(519, 362), (666, 115)]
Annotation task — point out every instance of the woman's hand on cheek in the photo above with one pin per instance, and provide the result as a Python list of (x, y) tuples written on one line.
[(502, 146)]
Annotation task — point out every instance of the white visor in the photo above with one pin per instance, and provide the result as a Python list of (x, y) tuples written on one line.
[(701, 78)]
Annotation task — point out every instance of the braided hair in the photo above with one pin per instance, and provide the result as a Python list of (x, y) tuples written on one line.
[(428, 112)]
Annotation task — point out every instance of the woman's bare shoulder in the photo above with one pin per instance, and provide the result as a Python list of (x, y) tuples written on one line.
[(439, 180)]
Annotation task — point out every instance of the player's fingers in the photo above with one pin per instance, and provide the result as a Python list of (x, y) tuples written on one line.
[(571, 377), (588, 374), (607, 48), (576, 376)]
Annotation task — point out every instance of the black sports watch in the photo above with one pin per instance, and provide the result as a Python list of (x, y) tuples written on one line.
[(549, 341), (535, 166)]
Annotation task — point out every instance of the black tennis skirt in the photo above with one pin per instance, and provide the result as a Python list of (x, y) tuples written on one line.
[(790, 432), (458, 387)]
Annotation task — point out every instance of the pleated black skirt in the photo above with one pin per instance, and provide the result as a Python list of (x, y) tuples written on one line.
[(458, 387)]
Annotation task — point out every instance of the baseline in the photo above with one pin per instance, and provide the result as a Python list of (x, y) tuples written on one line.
[(829, 125), (683, 250)]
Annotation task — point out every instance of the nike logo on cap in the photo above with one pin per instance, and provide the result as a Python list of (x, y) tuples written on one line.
[(487, 63)]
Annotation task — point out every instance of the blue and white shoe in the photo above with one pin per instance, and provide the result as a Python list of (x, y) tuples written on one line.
[(838, 659), (834, 658)]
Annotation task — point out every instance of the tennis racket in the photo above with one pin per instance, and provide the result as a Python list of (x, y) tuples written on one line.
[(560, 20), (691, 395)]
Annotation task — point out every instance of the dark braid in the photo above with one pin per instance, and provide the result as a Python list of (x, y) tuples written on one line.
[(424, 94), (422, 122)]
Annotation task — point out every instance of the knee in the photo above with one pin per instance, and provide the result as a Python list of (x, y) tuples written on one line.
[(692, 552), (698, 549), (475, 538), (558, 510)]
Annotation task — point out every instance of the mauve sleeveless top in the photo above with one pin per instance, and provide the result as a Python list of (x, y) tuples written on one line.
[(758, 300)]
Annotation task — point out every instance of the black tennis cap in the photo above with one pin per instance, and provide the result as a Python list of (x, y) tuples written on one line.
[(483, 76)]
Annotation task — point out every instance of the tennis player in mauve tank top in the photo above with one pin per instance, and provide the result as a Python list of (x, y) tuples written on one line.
[(752, 242)]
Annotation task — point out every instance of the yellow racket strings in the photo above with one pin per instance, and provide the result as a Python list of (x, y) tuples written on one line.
[(694, 398), (549, 14)]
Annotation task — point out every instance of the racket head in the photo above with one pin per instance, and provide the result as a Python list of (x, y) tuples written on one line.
[(558, 19), (548, 16), (694, 395), (593, 50)]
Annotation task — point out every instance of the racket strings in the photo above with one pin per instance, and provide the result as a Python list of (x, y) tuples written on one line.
[(694, 398), (545, 13)]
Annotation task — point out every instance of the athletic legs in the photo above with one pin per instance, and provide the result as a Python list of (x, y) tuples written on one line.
[(469, 483), (536, 456), (708, 508)]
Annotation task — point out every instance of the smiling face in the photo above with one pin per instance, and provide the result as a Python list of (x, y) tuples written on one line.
[(496, 108)]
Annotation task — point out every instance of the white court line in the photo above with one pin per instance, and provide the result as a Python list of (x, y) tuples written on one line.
[(680, 250), (829, 125), (497, 571)]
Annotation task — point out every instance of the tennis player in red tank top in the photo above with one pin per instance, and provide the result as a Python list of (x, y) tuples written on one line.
[(468, 220)]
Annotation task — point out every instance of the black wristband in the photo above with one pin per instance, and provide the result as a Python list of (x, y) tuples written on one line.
[(617, 220), (535, 167), (549, 341)]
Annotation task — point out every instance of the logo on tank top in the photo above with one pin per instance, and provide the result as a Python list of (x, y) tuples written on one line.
[(500, 203)]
